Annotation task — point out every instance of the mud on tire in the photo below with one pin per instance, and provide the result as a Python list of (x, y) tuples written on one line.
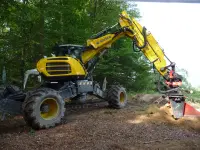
[(117, 97), (33, 103)]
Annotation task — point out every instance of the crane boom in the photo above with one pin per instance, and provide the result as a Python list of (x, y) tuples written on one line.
[(132, 29)]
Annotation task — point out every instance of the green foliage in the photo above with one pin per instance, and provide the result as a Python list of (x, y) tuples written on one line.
[(29, 29), (123, 66), (186, 84), (193, 97)]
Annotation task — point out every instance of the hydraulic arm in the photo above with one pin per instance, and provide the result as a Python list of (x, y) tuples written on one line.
[(132, 29)]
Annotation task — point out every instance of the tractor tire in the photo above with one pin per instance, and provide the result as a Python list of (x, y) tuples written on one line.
[(34, 106), (117, 97)]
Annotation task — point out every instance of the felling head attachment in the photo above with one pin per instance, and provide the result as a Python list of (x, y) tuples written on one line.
[(176, 99)]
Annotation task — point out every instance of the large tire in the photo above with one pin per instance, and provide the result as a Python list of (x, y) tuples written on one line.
[(35, 101), (117, 97)]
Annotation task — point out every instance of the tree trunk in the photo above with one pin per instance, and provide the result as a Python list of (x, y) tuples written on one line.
[(93, 14), (61, 23), (41, 28), (22, 70)]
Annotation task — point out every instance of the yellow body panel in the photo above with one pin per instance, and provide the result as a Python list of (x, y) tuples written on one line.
[(70, 66), (152, 50), (100, 41), (99, 44), (88, 55), (125, 21)]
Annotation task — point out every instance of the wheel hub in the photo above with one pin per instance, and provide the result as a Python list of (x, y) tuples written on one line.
[(49, 109), (122, 97), (44, 108)]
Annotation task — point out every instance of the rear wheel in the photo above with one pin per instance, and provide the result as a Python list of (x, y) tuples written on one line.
[(117, 97), (43, 108)]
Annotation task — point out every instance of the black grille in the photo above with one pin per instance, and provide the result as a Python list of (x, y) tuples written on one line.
[(56, 64), (59, 72), (57, 59), (57, 68)]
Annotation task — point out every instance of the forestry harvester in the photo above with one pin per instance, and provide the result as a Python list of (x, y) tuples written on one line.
[(68, 75)]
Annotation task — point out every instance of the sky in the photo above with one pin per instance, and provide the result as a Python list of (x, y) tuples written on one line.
[(175, 26)]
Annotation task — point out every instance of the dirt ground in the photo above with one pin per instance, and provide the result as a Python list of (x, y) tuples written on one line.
[(143, 124)]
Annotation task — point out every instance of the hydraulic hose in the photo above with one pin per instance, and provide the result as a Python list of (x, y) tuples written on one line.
[(145, 41)]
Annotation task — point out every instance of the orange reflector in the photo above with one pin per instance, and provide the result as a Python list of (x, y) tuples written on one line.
[(174, 83)]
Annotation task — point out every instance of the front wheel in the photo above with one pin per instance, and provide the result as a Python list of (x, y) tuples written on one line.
[(43, 108), (117, 97)]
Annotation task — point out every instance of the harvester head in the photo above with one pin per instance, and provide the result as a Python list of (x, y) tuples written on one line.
[(183, 109), (176, 100)]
